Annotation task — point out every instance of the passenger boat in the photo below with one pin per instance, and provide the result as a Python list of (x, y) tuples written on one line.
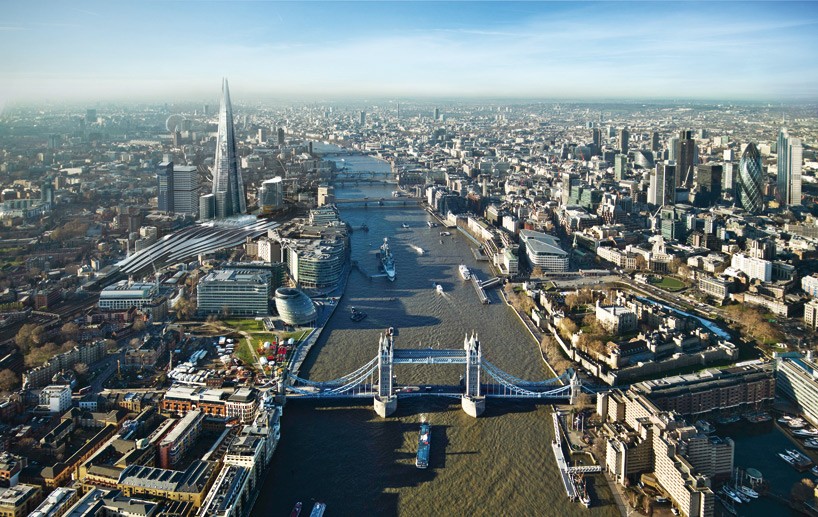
[(704, 426), (424, 445), (806, 433), (726, 490), (318, 509), (439, 288), (464, 272), (404, 225), (749, 492)]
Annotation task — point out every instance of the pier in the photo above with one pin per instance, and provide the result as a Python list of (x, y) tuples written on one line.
[(478, 287), (562, 466)]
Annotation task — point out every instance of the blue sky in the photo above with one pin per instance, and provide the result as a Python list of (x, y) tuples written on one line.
[(79, 50)]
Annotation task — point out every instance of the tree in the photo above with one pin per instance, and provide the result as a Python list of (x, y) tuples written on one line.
[(138, 325), (111, 345), (185, 309), (583, 400), (568, 328), (803, 490), (70, 330), (81, 368), (29, 336), (673, 266), (640, 263), (37, 356), (536, 272), (8, 380)]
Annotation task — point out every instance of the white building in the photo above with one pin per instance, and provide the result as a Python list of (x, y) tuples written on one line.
[(185, 189), (810, 285), (543, 251), (616, 319), (56, 398), (122, 296), (753, 267)]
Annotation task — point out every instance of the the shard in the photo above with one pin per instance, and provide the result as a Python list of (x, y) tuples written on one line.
[(228, 187)]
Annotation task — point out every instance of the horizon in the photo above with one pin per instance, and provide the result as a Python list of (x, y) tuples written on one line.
[(463, 51)]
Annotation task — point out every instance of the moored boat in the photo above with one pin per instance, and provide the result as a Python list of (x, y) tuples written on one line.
[(318, 509), (424, 445), (464, 272), (296, 510)]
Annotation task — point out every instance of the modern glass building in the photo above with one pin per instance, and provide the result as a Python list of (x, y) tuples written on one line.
[(228, 186), (236, 292), (748, 184), (294, 307), (271, 195), (789, 169)]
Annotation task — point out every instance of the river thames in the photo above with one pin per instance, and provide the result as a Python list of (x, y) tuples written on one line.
[(359, 464)]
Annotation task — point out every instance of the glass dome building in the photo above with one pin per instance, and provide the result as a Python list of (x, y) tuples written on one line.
[(750, 175), (294, 307)]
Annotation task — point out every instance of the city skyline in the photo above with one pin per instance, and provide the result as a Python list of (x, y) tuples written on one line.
[(608, 50)]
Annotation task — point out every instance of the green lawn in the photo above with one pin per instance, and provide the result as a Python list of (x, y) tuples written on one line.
[(244, 353), (247, 325), (669, 284)]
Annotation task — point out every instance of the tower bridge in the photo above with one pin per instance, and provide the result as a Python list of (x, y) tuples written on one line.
[(481, 380)]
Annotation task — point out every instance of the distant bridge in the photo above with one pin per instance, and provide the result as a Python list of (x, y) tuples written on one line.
[(376, 380)]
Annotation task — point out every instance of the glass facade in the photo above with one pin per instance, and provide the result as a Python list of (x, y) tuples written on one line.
[(748, 186), (228, 186)]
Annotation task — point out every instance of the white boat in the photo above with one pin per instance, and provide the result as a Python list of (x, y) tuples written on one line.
[(439, 288), (418, 249), (318, 510), (731, 494), (464, 272), (404, 225), (787, 458), (445, 234), (431, 224), (811, 443), (747, 491), (387, 262), (814, 471), (808, 433)]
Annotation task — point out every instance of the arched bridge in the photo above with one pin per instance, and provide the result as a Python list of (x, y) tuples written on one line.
[(376, 380)]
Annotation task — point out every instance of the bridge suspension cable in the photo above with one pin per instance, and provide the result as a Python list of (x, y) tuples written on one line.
[(368, 367)]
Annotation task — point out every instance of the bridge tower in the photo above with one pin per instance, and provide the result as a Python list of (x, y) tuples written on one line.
[(472, 401), (576, 388), (385, 401)]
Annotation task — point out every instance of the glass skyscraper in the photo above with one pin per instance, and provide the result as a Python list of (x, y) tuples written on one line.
[(789, 169), (228, 186), (748, 184)]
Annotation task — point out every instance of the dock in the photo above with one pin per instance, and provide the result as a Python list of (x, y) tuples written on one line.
[(556, 447), (478, 287)]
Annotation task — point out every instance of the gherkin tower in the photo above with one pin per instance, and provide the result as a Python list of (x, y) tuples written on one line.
[(748, 187)]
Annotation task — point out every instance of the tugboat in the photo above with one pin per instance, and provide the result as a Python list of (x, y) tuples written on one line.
[(357, 315), (296, 510), (424, 444)]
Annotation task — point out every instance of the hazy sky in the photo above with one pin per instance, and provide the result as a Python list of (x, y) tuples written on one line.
[(86, 50)]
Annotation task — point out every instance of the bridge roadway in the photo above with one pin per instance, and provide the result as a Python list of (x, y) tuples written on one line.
[(428, 356), (433, 390), (392, 201)]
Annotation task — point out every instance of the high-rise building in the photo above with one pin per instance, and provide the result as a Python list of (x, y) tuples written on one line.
[(624, 137), (207, 207), (164, 178), (789, 169), (271, 195), (620, 166), (281, 135), (90, 115), (654, 142), (728, 179), (748, 182), (185, 189), (663, 184), (686, 157), (228, 186), (708, 180), (363, 118), (597, 140), (437, 113)]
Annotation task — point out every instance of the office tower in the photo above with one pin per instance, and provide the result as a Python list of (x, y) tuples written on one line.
[(686, 158), (708, 180), (363, 118), (748, 182), (624, 136), (47, 192), (789, 169), (437, 113), (620, 166), (281, 136), (90, 115), (207, 207), (663, 184), (271, 195), (672, 147), (597, 138), (164, 179), (206, 110), (228, 187), (728, 177), (262, 135), (654, 142), (185, 189), (570, 182)]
